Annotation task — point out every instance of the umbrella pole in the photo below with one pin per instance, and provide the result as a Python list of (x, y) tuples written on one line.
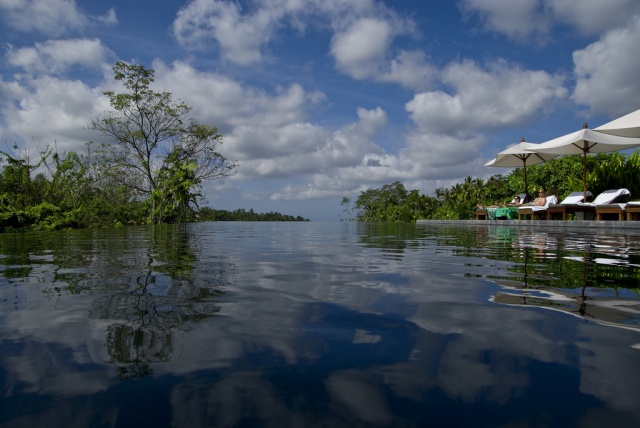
[(584, 175), (526, 190)]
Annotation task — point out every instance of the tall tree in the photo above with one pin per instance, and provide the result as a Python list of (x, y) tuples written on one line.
[(148, 127)]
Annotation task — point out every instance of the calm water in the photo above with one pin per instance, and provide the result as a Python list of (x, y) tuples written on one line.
[(320, 324)]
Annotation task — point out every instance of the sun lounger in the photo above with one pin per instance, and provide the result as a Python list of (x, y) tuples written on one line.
[(633, 210), (570, 205), (618, 210), (608, 197), (604, 199), (536, 211)]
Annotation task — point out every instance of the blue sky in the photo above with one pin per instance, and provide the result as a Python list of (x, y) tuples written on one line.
[(321, 99)]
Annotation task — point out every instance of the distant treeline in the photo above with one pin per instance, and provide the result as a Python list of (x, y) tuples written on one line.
[(209, 214)]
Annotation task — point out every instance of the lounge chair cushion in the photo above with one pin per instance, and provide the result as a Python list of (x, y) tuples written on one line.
[(609, 196), (575, 197)]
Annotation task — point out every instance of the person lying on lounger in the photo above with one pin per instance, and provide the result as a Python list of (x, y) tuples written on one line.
[(516, 201), (541, 200)]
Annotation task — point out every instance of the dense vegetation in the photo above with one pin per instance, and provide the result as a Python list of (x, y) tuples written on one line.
[(151, 171), (72, 192), (560, 176)]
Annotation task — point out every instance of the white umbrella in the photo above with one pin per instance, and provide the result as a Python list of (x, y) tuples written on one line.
[(625, 126), (586, 141), (520, 155)]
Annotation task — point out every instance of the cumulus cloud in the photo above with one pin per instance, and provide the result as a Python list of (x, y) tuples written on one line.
[(500, 96), (594, 16), (52, 110), (411, 70), (50, 17), (362, 35), (518, 19), (239, 36), (426, 162), (226, 103), (522, 20), (607, 71), (56, 56), (360, 48), (306, 149)]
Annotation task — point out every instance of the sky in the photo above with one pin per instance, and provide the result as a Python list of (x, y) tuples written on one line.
[(323, 99)]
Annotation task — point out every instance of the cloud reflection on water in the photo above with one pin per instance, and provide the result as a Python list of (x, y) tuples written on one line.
[(322, 330)]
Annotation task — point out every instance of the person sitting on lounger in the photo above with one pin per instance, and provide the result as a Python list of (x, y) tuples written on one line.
[(516, 200), (541, 200)]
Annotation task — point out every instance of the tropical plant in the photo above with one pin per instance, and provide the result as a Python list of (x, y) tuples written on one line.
[(152, 130)]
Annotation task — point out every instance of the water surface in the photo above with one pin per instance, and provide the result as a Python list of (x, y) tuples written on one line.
[(320, 324)]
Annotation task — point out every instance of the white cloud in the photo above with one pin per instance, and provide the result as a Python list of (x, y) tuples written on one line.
[(56, 56), (427, 162), (363, 34), (522, 20), (594, 16), (225, 103), (240, 36), (50, 17), (441, 156), (517, 19), (243, 31), (360, 48), (51, 110), (371, 120), (607, 72), (411, 70), (256, 142), (300, 149), (501, 96), (109, 18)]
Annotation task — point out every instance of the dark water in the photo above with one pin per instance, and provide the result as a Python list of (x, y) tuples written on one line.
[(320, 324)]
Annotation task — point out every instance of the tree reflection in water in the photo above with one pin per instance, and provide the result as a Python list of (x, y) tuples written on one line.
[(148, 283), (168, 297)]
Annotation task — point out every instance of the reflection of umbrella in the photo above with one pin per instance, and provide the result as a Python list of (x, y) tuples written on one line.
[(586, 141), (519, 155), (625, 126)]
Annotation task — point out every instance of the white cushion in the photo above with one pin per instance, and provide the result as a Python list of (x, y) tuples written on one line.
[(575, 197), (609, 196)]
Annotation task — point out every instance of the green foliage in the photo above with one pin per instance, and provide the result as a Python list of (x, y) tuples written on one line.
[(159, 152), (390, 203), (44, 216), (461, 200), (175, 192), (614, 171)]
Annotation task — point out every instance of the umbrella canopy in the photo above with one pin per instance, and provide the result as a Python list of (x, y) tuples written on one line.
[(586, 141), (520, 155), (625, 126)]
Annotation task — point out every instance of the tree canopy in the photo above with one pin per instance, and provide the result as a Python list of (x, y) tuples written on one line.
[(159, 152)]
